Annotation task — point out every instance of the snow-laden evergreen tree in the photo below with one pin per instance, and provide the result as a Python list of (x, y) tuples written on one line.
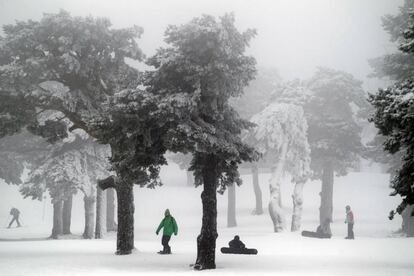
[(334, 104), (71, 165), (255, 98), (135, 128), (393, 116), (203, 65), (71, 65), (334, 133), (281, 136), (393, 124), (398, 65), (24, 150)]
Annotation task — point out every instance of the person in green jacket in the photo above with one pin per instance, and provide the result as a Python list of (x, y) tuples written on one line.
[(170, 226)]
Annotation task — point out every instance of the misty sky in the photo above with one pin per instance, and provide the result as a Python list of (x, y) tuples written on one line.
[(294, 36)]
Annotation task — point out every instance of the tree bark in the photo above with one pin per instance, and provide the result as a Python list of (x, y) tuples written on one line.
[(57, 229), (231, 206), (275, 207), (67, 215), (297, 206), (206, 241), (408, 221), (190, 178), (100, 228), (257, 191), (110, 210), (89, 203), (125, 235), (326, 208)]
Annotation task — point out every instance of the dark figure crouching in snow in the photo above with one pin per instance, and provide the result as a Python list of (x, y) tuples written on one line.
[(350, 221), (15, 213), (322, 232), (236, 246), (170, 226)]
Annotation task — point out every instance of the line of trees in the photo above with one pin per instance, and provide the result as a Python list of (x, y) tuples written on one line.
[(308, 129), (68, 78), (76, 67), (61, 169)]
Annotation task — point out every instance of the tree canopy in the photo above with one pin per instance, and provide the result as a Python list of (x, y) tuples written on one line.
[(197, 74), (394, 106)]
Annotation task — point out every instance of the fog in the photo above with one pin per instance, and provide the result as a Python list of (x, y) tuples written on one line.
[(294, 36)]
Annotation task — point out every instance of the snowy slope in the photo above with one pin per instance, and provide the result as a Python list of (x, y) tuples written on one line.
[(376, 250)]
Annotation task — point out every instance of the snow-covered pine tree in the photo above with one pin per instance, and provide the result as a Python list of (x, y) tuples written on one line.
[(393, 116), (281, 136), (25, 150), (201, 68), (73, 73), (73, 164), (135, 128), (398, 67), (255, 98), (334, 132)]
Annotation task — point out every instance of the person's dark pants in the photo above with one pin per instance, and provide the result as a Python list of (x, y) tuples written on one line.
[(15, 218), (350, 231), (165, 240)]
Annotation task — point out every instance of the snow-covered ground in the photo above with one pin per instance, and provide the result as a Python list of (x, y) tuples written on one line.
[(375, 251)]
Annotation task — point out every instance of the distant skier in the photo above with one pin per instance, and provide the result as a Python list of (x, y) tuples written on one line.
[(15, 213), (350, 221), (236, 246), (170, 226), (322, 232)]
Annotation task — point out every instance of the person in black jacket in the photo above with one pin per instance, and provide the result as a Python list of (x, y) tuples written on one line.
[(236, 246), (236, 243), (15, 213)]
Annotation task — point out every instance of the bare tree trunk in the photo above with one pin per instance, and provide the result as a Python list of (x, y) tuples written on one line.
[(89, 217), (408, 221), (275, 208), (206, 241), (67, 214), (100, 228), (57, 229), (190, 178), (125, 235), (326, 208), (257, 191), (297, 206), (231, 206), (110, 210)]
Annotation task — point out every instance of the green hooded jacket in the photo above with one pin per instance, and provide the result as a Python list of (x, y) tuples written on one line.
[(170, 226)]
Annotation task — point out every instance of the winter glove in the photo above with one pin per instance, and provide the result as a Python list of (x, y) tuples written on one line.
[(156, 232), (175, 233)]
